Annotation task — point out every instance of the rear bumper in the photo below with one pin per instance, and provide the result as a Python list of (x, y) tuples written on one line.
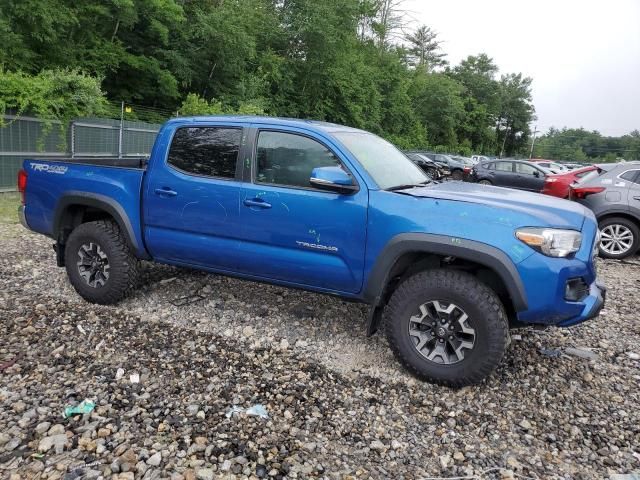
[(22, 217)]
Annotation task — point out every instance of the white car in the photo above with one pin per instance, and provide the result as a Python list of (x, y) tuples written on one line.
[(552, 166)]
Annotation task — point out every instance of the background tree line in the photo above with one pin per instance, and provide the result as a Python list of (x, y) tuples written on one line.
[(345, 61)]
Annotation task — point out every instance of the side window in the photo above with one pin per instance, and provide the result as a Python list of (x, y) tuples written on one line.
[(210, 151), (288, 159), (489, 166), (503, 166), (630, 176), (525, 169)]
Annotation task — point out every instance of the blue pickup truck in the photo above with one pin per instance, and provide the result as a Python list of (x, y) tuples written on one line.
[(446, 268)]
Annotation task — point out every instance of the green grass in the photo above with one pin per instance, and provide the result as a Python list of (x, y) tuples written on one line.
[(9, 203)]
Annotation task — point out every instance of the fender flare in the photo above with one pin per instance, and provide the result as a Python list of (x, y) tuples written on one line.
[(477, 252), (102, 202)]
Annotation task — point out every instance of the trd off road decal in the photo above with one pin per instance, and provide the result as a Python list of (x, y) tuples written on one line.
[(43, 167)]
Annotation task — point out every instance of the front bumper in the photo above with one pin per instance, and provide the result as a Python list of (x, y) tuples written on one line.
[(593, 304), (22, 217)]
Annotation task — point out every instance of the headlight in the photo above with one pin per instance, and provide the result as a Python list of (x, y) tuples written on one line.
[(551, 241)]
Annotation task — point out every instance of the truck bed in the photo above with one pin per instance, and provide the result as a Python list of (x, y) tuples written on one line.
[(113, 184)]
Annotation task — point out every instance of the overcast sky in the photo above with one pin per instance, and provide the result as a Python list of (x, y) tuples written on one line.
[(583, 55)]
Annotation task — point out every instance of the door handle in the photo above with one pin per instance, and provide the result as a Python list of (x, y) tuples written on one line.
[(165, 192), (256, 202), (636, 198)]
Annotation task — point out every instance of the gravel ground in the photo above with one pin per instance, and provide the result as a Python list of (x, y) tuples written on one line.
[(338, 404)]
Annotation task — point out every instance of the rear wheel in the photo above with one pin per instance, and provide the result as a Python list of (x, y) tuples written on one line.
[(447, 327), (619, 238), (485, 182), (456, 175), (100, 265)]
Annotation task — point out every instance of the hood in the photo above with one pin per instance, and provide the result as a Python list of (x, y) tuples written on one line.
[(544, 210)]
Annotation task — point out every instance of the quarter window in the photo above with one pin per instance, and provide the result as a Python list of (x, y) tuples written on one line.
[(288, 159), (210, 151), (630, 176)]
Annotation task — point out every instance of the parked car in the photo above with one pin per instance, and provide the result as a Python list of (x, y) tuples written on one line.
[(510, 173), (550, 165), (480, 158), (431, 168), (612, 192), (468, 165), (312, 205), (455, 167), (557, 185), (573, 166)]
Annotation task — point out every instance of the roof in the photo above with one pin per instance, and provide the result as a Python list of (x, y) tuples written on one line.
[(288, 122)]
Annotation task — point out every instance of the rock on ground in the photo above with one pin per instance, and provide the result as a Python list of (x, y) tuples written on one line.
[(338, 403)]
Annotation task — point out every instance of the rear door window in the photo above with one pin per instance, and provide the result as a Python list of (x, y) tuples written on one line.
[(504, 166), (207, 151), (631, 176)]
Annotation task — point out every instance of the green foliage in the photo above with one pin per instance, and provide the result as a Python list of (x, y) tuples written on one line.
[(578, 144), (52, 95), (196, 105), (334, 60)]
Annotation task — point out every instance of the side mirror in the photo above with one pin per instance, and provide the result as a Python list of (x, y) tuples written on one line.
[(334, 179), (536, 173)]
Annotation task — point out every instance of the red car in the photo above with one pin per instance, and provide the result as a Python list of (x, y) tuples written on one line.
[(558, 184)]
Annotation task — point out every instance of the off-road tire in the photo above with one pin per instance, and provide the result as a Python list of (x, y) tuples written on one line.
[(123, 264), (627, 224), (486, 315)]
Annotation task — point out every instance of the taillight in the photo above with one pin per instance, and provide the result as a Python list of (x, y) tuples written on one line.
[(467, 169), (22, 185), (584, 192)]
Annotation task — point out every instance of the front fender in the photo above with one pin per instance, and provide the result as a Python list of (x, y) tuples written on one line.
[(471, 250)]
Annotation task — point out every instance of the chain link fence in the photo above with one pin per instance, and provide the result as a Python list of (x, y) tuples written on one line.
[(27, 137)]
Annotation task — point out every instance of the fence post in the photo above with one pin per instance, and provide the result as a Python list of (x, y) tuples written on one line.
[(121, 128), (73, 139)]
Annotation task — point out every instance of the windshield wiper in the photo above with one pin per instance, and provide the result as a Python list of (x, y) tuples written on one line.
[(406, 186)]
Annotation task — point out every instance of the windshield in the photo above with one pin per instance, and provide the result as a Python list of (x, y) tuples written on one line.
[(387, 165)]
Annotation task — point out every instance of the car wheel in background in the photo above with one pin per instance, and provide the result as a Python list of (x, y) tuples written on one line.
[(457, 175), (619, 238), (485, 182)]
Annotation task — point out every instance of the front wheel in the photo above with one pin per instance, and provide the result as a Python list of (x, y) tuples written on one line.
[(619, 238), (100, 265), (485, 182), (447, 327)]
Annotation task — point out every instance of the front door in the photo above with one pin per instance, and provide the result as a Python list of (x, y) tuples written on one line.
[(291, 231), (529, 177), (191, 206)]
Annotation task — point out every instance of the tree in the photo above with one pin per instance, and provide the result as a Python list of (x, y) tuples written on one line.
[(54, 96), (425, 49), (515, 114)]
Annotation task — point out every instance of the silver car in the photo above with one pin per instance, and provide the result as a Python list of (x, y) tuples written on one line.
[(613, 193)]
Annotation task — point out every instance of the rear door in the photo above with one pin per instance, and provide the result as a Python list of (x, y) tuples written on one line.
[(632, 179), (291, 231), (191, 205), (503, 174)]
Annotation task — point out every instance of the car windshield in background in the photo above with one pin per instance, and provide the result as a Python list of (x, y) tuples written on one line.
[(387, 165)]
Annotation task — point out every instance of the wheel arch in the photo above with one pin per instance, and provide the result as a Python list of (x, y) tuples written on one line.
[(409, 253), (618, 213), (76, 208)]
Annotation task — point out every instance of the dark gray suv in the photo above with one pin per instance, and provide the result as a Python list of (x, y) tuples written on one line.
[(613, 193)]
